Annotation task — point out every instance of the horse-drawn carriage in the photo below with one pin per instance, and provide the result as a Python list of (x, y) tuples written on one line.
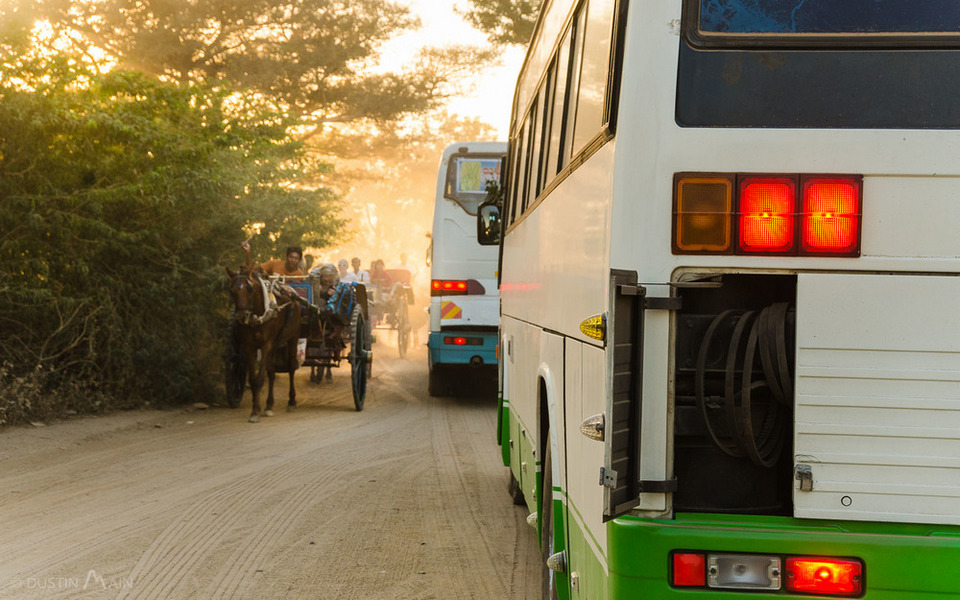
[(277, 326), (391, 306), (336, 331)]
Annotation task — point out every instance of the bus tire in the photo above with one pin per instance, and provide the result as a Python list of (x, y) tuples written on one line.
[(547, 538), (437, 384), (516, 494)]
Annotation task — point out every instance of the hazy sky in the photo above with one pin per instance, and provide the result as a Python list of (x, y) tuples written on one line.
[(441, 25)]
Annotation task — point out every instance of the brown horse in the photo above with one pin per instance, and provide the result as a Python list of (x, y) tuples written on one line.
[(271, 329)]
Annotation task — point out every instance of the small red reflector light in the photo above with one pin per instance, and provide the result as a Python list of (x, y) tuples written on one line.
[(767, 208), (689, 570), (830, 216), (435, 284), (824, 576)]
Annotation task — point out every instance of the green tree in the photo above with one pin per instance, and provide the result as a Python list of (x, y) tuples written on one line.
[(504, 21), (119, 196), (314, 59)]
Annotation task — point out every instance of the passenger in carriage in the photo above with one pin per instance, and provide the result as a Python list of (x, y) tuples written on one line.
[(329, 280)]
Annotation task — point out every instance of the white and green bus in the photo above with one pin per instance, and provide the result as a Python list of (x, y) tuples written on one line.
[(464, 303), (730, 298)]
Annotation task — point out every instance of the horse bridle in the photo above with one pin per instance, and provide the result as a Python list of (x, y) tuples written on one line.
[(244, 313)]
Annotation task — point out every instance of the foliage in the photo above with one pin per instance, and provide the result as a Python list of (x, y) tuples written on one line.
[(504, 21), (312, 59), (119, 195)]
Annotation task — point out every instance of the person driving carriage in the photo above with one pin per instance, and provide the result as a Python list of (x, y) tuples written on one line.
[(289, 266)]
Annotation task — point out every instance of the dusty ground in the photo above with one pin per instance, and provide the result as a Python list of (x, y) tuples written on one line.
[(405, 500)]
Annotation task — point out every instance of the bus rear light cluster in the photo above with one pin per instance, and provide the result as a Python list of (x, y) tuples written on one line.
[(781, 215), (453, 287), (462, 341), (822, 576)]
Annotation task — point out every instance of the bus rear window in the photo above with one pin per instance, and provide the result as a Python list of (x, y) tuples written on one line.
[(830, 17), (467, 178)]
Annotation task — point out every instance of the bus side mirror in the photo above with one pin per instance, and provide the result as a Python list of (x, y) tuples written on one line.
[(488, 224)]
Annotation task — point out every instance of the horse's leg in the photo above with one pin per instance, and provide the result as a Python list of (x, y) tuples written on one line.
[(256, 382), (291, 369), (271, 376)]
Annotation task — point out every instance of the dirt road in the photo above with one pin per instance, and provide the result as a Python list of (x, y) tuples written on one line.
[(405, 500)]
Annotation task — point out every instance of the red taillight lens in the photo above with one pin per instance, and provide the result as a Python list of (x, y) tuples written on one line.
[(766, 220), (824, 576), (462, 341), (444, 287), (689, 570), (830, 221)]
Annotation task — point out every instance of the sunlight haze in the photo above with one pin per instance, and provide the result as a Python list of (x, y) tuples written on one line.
[(489, 96)]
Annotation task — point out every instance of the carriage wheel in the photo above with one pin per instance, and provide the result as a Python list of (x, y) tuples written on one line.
[(358, 361), (403, 330)]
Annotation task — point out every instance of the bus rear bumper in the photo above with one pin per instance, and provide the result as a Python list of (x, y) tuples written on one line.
[(462, 348), (900, 561)]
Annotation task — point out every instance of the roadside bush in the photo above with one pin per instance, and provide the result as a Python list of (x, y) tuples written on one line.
[(121, 198)]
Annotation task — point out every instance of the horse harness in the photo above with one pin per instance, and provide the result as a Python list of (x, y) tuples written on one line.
[(245, 313)]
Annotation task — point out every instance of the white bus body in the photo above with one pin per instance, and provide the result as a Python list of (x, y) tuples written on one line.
[(851, 353), (464, 302)]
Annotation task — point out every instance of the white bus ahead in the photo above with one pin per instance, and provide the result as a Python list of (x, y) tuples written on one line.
[(730, 334), (464, 303)]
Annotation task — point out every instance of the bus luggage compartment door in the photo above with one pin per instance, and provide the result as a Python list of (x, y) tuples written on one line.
[(878, 398)]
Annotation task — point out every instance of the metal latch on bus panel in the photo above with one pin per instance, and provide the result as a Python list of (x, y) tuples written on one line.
[(804, 474), (608, 478), (669, 303)]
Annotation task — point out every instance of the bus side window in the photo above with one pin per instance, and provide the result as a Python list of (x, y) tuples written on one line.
[(549, 90), (594, 70), (529, 177), (570, 111), (536, 148), (555, 146), (520, 190)]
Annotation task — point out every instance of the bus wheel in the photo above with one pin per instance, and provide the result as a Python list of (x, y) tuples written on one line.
[(437, 385), (547, 538), (516, 494)]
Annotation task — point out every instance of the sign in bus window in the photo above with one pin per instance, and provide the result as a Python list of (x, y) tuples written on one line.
[(829, 16), (473, 175)]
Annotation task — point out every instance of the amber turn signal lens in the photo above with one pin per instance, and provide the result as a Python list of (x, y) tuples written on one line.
[(702, 214)]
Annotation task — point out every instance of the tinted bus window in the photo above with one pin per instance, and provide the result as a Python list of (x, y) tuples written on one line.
[(593, 77), (829, 16), (467, 179)]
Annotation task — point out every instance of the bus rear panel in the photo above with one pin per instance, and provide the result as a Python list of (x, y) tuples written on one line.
[(464, 298)]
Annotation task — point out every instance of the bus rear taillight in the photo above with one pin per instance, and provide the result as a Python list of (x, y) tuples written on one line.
[(689, 570), (831, 216), (737, 213), (453, 287), (767, 208), (824, 576), (462, 341)]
